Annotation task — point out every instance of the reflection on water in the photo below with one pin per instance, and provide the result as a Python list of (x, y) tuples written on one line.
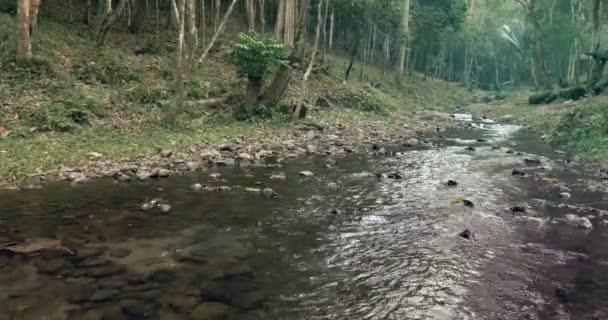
[(342, 244)]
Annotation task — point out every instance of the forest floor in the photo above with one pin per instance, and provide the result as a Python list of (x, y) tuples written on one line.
[(577, 127), (80, 111)]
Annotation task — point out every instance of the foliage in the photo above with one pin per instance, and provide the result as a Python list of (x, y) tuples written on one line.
[(64, 116), (583, 130), (107, 72), (255, 55)]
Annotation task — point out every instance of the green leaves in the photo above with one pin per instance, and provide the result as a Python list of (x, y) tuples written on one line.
[(254, 55)]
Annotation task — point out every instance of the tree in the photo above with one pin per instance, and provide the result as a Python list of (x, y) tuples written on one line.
[(531, 9), (313, 56), (24, 45), (254, 56), (139, 7), (107, 19), (403, 39)]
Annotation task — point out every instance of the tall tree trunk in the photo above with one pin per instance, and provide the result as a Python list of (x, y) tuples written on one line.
[(274, 92), (191, 34), (280, 24), (250, 14), (304, 90), (324, 28), (403, 39), (216, 20), (542, 75), (202, 27), (34, 8), (24, 45), (180, 92), (262, 11), (219, 30), (331, 30), (106, 22), (107, 7), (599, 60), (88, 13), (139, 6), (174, 15), (353, 54)]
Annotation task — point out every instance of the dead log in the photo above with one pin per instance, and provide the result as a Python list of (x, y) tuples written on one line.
[(206, 103), (573, 93), (542, 97)]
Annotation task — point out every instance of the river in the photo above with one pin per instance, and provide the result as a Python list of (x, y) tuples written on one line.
[(367, 237)]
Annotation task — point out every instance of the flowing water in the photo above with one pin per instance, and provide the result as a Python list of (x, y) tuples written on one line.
[(347, 243)]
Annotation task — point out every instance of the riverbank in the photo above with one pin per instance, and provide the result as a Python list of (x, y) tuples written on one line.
[(579, 128), (79, 111)]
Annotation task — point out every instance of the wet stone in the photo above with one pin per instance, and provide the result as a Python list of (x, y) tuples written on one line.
[(467, 234), (120, 252), (210, 311), (468, 203), (51, 266), (452, 183), (518, 209), (180, 302), (106, 271), (136, 308), (103, 294)]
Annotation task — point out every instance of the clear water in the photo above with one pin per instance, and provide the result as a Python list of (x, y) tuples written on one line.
[(342, 244)]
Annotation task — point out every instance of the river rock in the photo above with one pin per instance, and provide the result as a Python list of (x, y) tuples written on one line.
[(224, 162), (468, 203), (162, 173), (119, 252), (469, 148), (215, 175), (210, 311), (123, 178), (94, 155), (506, 119), (412, 142), (196, 187), (452, 183), (532, 161), (310, 149), (224, 188), (226, 147), (467, 234), (243, 156), (180, 302), (310, 134), (565, 195), (306, 173), (518, 209), (164, 207), (103, 295), (193, 166), (270, 194), (136, 308), (144, 175), (579, 222), (166, 153)]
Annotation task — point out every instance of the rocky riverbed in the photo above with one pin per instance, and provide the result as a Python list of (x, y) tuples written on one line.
[(479, 221), (329, 140)]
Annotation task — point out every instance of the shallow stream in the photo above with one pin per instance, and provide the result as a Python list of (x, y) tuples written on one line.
[(367, 237)]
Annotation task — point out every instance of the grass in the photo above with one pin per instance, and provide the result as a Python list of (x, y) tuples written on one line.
[(76, 98), (579, 127)]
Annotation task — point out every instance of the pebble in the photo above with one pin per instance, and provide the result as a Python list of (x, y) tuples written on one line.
[(196, 187), (306, 173)]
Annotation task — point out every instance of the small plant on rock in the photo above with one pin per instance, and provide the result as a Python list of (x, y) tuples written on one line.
[(254, 56)]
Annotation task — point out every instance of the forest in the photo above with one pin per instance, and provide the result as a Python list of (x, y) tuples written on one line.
[(303, 159), (154, 64)]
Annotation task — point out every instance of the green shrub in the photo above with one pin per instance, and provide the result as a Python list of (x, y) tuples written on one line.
[(254, 55), (583, 130), (105, 73), (66, 115), (198, 90), (365, 100), (148, 97)]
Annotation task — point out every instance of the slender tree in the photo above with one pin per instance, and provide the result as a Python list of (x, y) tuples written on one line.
[(24, 45), (403, 39)]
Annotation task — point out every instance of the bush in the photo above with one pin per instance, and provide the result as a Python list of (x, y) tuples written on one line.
[(105, 73), (148, 97), (65, 115), (254, 55), (365, 100)]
